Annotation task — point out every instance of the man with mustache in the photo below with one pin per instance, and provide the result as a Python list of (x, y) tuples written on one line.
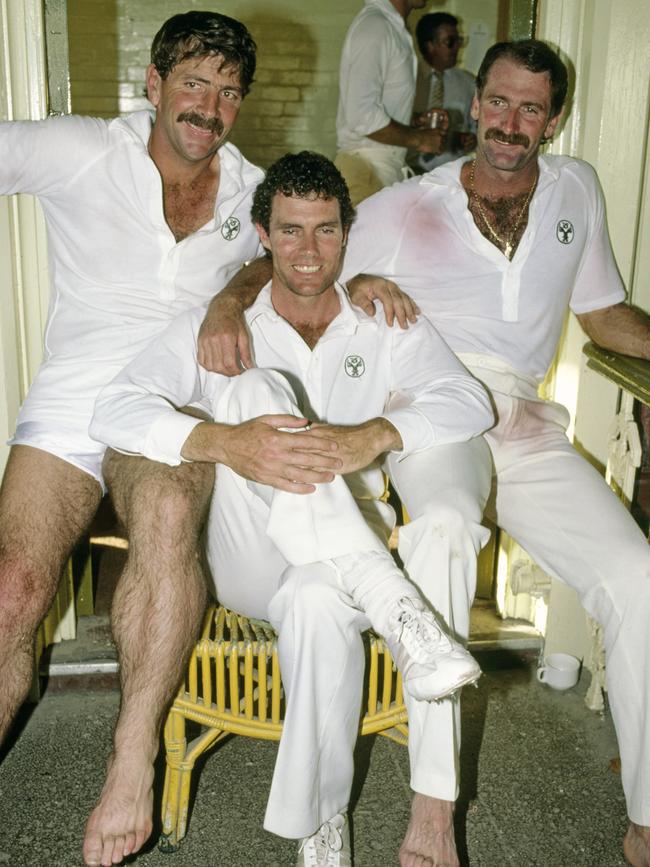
[(494, 249), (147, 216)]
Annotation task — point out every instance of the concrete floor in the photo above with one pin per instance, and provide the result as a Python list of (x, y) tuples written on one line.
[(538, 789)]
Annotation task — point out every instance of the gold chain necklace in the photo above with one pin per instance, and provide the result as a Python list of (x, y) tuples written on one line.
[(505, 243)]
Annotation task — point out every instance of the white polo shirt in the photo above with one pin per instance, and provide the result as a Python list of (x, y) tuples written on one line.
[(118, 276), (421, 234), (377, 76), (347, 378)]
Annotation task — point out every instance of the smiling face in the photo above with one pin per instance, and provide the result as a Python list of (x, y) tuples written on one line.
[(306, 240), (196, 107), (513, 114)]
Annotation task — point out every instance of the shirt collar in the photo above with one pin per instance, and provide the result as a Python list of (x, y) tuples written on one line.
[(236, 174), (347, 321), (448, 174)]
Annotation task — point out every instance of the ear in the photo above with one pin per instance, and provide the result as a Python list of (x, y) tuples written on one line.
[(474, 107), (551, 126), (346, 233), (153, 81), (264, 237)]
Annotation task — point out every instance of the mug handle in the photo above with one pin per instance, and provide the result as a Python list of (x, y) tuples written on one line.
[(540, 674)]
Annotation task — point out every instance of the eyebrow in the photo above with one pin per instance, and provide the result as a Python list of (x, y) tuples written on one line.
[(189, 77), (532, 102), (332, 223)]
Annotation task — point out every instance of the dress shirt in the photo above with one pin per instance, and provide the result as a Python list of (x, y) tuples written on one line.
[(377, 76)]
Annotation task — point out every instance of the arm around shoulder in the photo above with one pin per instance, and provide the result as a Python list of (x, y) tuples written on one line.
[(224, 345)]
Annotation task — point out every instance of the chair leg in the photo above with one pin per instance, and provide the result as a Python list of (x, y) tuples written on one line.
[(174, 817), (180, 758)]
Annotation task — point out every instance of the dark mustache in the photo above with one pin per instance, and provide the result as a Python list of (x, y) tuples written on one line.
[(212, 124), (515, 138)]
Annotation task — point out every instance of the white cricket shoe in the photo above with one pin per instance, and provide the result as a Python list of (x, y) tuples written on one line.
[(433, 665), (329, 846)]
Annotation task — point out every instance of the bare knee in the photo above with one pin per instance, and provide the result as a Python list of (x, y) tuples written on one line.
[(27, 589), (167, 505)]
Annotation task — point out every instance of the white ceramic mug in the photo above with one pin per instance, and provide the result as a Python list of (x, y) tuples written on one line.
[(560, 671)]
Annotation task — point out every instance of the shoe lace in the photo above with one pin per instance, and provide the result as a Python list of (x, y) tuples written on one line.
[(322, 848), (419, 632)]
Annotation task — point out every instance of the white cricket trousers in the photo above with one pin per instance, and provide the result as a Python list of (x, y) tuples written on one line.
[(263, 548), (561, 511)]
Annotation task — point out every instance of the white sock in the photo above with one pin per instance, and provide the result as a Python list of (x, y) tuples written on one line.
[(375, 583)]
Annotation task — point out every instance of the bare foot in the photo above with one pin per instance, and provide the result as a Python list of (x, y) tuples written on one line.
[(121, 822), (429, 840), (636, 845)]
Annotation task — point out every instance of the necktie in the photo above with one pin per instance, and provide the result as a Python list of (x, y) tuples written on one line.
[(437, 92)]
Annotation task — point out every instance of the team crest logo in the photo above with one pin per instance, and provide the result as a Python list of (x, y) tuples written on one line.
[(564, 232), (230, 228), (355, 366)]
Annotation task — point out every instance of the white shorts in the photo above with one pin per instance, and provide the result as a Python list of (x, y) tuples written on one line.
[(57, 411)]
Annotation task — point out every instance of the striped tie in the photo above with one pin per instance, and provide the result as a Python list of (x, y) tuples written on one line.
[(437, 92)]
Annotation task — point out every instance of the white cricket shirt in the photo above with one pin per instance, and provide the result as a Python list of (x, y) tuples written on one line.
[(118, 276), (347, 378), (421, 234)]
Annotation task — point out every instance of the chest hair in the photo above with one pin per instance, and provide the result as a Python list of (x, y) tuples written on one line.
[(311, 332), (189, 206), (505, 216)]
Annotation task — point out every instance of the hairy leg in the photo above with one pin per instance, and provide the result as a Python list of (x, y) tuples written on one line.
[(45, 506), (636, 845), (156, 616), (429, 840)]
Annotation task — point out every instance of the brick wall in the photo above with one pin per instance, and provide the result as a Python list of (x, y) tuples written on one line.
[(292, 104)]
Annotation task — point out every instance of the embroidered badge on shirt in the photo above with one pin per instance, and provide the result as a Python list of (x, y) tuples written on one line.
[(230, 228), (564, 232), (355, 366)]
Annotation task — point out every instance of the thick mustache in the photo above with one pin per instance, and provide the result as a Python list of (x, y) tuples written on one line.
[(516, 138), (212, 124)]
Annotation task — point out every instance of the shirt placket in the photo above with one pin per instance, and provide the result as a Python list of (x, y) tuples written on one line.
[(170, 255), (313, 380)]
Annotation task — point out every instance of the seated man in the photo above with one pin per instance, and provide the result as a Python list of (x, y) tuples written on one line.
[(311, 564)]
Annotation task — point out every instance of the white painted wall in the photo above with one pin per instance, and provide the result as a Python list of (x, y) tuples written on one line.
[(607, 45), (24, 283)]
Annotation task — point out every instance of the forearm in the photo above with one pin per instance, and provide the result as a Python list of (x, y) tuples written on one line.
[(619, 328), (382, 436), (223, 343), (398, 135), (206, 442), (242, 289)]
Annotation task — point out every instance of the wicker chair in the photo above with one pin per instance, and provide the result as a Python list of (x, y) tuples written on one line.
[(232, 686)]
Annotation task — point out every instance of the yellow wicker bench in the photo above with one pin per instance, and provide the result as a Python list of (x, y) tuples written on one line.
[(232, 686)]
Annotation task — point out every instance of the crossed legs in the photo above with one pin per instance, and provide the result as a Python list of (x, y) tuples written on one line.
[(156, 615), (45, 506)]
